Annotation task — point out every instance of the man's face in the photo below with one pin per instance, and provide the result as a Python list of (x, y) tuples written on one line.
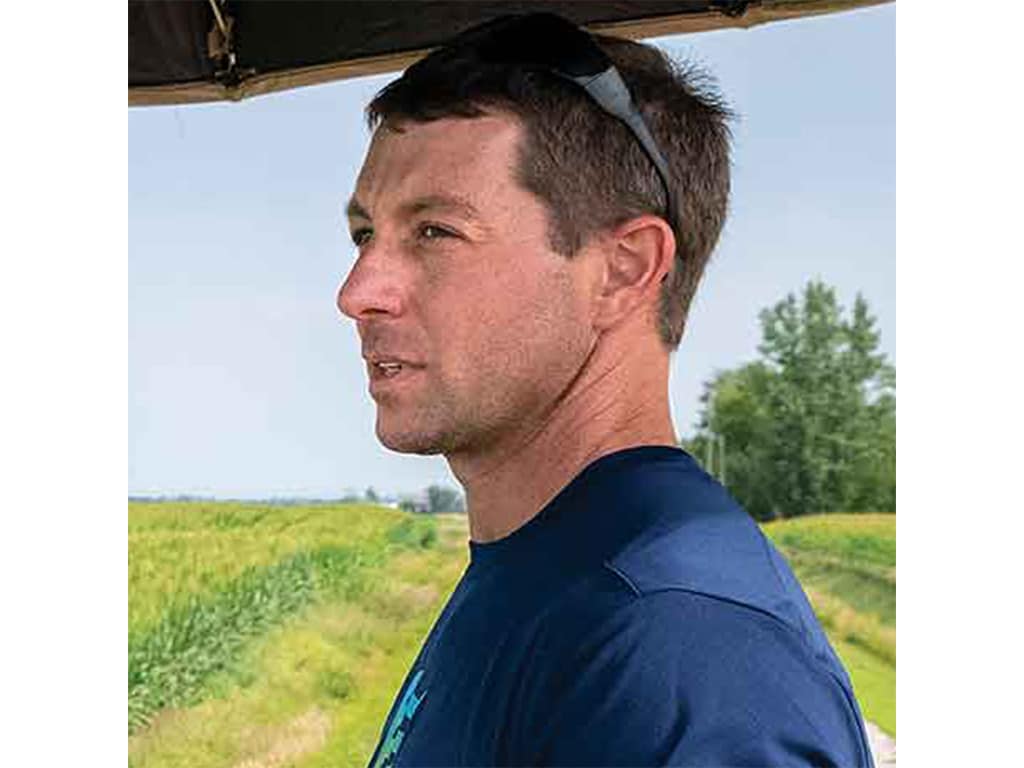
[(456, 284)]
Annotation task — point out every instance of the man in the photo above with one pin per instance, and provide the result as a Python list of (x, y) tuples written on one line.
[(530, 239)]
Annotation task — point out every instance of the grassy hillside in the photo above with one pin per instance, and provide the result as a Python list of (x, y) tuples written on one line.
[(269, 636), (847, 566)]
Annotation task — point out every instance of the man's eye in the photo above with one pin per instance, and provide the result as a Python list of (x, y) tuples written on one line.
[(360, 236), (434, 232)]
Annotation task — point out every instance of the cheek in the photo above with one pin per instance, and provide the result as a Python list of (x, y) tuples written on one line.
[(513, 334)]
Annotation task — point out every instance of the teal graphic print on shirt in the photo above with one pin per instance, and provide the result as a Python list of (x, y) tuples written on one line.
[(398, 728)]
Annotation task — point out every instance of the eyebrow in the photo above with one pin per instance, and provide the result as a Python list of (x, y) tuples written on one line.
[(439, 202)]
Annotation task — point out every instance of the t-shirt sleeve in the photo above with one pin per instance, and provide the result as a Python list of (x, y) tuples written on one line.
[(677, 678)]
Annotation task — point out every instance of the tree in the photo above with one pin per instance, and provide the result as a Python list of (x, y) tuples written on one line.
[(810, 427), (371, 496), (443, 499), (735, 406)]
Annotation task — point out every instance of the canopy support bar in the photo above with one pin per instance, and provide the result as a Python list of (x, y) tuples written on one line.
[(220, 46), (219, 18)]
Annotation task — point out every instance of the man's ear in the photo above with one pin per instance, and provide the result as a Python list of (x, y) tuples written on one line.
[(636, 258)]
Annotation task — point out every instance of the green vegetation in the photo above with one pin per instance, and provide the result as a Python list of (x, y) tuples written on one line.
[(810, 426), (178, 552), (874, 682), (168, 665), (186, 648), (847, 566)]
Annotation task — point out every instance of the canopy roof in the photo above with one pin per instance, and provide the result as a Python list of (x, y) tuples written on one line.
[(182, 51)]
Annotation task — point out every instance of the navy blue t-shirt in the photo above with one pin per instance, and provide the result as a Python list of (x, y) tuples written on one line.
[(641, 618)]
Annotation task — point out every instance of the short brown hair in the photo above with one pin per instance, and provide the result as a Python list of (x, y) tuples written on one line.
[(587, 167)]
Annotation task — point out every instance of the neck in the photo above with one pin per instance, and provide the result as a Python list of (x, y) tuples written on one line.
[(613, 404)]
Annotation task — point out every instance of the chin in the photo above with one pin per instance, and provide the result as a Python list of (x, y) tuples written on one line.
[(410, 441), (427, 441)]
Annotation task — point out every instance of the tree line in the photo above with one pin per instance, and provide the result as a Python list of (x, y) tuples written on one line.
[(809, 426), (434, 499)]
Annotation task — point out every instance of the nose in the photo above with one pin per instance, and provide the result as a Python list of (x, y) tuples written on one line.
[(371, 289)]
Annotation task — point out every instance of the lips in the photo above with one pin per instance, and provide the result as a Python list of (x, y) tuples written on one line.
[(389, 368), (383, 369), (390, 361)]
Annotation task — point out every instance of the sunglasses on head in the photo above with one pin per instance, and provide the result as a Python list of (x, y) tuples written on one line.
[(550, 43)]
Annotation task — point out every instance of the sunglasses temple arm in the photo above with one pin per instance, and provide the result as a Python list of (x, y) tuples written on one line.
[(609, 90)]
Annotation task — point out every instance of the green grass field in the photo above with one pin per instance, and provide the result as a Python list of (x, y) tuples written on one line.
[(267, 635), (847, 566)]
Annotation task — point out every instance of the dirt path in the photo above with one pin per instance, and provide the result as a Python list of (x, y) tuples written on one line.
[(883, 746), (283, 745)]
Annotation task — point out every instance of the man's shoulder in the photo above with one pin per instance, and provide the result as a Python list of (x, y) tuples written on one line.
[(692, 671), (711, 548), (689, 628), (698, 539), (664, 525)]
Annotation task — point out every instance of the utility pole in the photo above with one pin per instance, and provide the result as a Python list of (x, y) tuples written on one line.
[(721, 458), (715, 445), (712, 438)]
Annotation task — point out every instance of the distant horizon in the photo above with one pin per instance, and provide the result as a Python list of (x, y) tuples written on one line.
[(280, 499)]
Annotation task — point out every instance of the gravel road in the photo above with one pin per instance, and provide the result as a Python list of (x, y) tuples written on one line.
[(883, 746)]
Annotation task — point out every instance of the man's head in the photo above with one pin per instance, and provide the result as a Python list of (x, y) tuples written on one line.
[(498, 299)]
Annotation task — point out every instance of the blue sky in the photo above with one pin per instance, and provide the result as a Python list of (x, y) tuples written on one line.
[(245, 381)]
